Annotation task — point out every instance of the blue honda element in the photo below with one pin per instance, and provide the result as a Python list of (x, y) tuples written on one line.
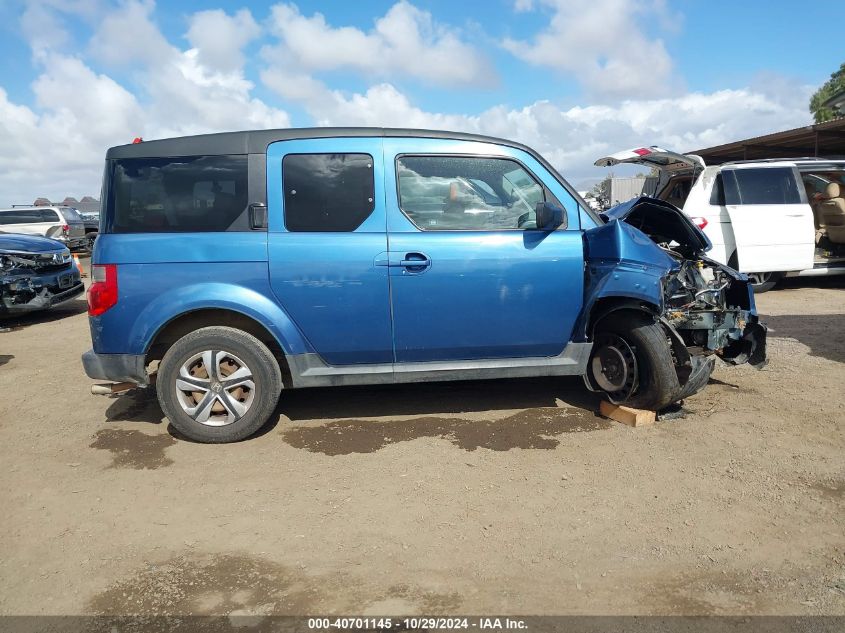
[(231, 267)]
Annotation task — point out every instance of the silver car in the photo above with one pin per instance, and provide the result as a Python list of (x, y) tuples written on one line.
[(57, 222)]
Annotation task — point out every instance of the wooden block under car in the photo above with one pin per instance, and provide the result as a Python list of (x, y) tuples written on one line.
[(627, 415)]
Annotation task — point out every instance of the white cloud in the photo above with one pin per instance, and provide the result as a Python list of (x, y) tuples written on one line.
[(220, 38), (60, 150), (189, 98), (57, 147), (128, 36), (42, 23), (602, 45), (406, 41), (571, 139)]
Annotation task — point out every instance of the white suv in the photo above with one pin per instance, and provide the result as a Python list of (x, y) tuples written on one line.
[(766, 218), (58, 222)]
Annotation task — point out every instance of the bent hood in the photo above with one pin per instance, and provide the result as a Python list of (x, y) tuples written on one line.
[(12, 242), (663, 222)]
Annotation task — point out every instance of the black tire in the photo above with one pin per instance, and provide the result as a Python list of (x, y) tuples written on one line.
[(764, 281), (761, 282), (266, 379), (698, 380), (656, 379)]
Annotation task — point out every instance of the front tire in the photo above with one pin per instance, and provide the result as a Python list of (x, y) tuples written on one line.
[(218, 384), (632, 363)]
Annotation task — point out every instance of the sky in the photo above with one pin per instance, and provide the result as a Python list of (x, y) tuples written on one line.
[(575, 79)]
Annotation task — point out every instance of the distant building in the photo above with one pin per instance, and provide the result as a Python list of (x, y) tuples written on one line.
[(86, 205), (623, 189)]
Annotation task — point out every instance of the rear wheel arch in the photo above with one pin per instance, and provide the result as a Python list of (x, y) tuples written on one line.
[(188, 322)]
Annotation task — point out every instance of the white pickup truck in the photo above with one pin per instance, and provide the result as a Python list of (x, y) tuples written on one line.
[(766, 218), (57, 222)]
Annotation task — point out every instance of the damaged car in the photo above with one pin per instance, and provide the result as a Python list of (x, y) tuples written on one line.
[(36, 273), (232, 267), (702, 309)]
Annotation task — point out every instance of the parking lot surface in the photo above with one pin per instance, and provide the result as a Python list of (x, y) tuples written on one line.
[(475, 498)]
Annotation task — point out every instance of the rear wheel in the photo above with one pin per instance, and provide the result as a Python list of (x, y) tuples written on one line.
[(218, 384), (763, 282), (631, 362), (760, 282)]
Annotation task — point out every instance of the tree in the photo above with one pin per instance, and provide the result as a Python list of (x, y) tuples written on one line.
[(834, 86), (601, 191)]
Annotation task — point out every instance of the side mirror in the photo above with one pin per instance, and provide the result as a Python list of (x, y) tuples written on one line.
[(550, 216), (257, 216)]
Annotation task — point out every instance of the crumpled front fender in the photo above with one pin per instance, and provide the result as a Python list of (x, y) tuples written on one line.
[(622, 264)]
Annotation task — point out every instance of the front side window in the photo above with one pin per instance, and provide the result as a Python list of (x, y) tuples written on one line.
[(460, 193), (765, 185), (327, 192), (178, 195)]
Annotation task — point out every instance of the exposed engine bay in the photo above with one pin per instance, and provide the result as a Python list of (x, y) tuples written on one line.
[(709, 305), (36, 280), (709, 309)]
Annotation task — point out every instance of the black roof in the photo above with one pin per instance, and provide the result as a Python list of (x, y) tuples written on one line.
[(256, 141)]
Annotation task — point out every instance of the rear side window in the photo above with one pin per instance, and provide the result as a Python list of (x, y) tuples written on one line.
[(27, 216), (327, 192), (770, 185), (467, 193), (49, 215), (179, 195)]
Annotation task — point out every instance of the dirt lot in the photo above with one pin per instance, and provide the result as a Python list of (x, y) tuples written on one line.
[(474, 498)]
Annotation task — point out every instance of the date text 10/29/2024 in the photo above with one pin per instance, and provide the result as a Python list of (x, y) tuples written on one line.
[(417, 623)]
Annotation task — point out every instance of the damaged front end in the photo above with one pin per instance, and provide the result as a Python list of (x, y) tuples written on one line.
[(35, 274), (653, 258), (712, 308)]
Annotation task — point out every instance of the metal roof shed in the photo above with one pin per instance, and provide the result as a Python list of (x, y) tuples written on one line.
[(825, 140)]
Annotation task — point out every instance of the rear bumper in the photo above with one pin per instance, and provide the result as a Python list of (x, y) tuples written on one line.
[(115, 367), (73, 242)]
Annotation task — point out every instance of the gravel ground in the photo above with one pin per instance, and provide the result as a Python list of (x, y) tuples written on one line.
[(507, 497)]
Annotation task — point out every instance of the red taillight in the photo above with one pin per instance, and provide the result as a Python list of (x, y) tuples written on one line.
[(700, 222), (66, 229), (102, 294)]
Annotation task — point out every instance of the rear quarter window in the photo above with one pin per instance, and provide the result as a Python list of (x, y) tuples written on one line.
[(71, 215), (179, 195)]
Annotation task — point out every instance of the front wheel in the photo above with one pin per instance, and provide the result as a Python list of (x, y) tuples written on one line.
[(218, 384), (631, 362)]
